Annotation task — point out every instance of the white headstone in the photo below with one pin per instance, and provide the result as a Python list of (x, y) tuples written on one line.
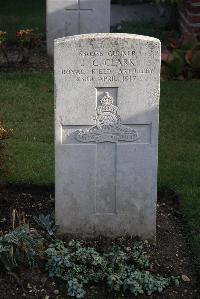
[(106, 124), (70, 17)]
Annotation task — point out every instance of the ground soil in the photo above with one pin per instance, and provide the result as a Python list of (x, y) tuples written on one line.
[(170, 254)]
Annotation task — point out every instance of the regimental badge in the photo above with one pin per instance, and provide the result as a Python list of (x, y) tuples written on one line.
[(108, 126)]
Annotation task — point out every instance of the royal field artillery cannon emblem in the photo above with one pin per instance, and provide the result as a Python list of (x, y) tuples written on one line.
[(108, 126)]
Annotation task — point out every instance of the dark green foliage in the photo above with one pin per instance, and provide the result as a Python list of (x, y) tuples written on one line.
[(18, 246), (121, 269), (47, 222), (147, 27)]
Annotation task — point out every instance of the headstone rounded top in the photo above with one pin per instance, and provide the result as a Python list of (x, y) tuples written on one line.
[(106, 36)]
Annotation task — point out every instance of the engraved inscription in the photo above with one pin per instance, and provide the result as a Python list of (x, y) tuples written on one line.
[(110, 66), (108, 126)]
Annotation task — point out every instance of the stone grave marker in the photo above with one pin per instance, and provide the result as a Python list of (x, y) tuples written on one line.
[(106, 134), (70, 17)]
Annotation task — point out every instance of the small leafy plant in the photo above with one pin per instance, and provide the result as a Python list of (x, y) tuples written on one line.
[(47, 222), (27, 39), (121, 269), (181, 59), (18, 246)]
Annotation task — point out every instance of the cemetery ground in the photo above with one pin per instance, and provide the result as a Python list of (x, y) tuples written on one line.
[(27, 108)]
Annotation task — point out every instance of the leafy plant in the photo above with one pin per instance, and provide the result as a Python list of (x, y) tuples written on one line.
[(181, 59), (3, 39), (120, 269), (47, 222), (18, 246), (27, 39)]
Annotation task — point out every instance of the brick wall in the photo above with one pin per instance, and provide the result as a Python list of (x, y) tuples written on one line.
[(190, 17)]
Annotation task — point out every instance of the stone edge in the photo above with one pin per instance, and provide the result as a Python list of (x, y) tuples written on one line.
[(105, 35)]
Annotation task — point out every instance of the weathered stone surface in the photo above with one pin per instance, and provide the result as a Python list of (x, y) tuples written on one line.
[(106, 122), (70, 17)]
